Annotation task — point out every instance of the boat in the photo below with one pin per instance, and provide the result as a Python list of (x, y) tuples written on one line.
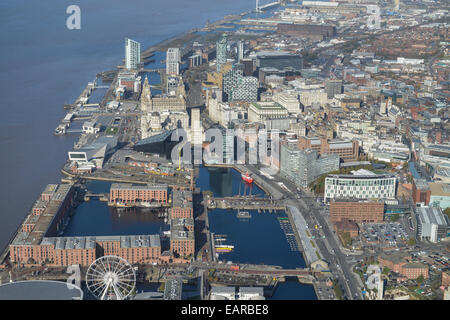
[(60, 130), (243, 214), (246, 177), (224, 248), (146, 204), (123, 205)]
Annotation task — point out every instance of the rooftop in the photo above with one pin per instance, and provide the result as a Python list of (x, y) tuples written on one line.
[(182, 199), (45, 219), (129, 186), (439, 189), (430, 215), (268, 105)]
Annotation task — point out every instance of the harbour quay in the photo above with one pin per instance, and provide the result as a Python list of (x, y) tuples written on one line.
[(39, 240)]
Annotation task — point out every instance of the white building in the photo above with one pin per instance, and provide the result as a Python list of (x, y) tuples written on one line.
[(251, 293), (132, 54), (431, 223), (95, 152), (90, 127), (361, 184), (261, 111), (173, 59), (288, 100), (310, 97), (223, 293)]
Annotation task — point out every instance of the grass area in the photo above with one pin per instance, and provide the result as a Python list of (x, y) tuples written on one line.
[(447, 212), (318, 186), (112, 130), (338, 291), (312, 243)]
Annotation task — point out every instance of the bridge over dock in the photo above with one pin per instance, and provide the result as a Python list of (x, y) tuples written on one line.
[(275, 272), (101, 196), (244, 202)]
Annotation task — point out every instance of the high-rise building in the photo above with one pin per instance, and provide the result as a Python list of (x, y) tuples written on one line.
[(246, 90), (304, 166), (279, 60), (173, 59), (221, 52), (240, 51), (421, 192), (333, 87), (132, 54), (236, 87)]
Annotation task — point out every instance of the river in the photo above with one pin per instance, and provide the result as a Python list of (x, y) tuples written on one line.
[(45, 65)]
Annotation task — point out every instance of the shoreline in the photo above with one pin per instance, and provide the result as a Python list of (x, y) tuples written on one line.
[(147, 53)]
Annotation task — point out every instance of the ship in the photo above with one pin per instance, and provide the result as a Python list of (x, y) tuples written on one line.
[(60, 130), (123, 205), (246, 177), (146, 204), (243, 214), (224, 248)]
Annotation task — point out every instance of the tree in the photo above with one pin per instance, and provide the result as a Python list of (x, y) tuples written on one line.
[(420, 279), (346, 239), (411, 241), (447, 212)]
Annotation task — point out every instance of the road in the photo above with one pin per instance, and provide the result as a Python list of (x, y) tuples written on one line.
[(325, 239)]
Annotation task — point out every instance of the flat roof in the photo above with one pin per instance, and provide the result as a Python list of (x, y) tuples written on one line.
[(421, 184), (430, 215), (129, 186), (439, 189), (223, 290), (182, 199), (268, 105), (45, 219)]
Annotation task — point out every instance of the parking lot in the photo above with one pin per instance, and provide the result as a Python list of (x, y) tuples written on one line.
[(390, 234)]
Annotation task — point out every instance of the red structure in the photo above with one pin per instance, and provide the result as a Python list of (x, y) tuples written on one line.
[(357, 211), (421, 191), (130, 194), (246, 177)]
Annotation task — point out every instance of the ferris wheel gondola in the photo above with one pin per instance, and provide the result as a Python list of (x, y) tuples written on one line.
[(110, 278)]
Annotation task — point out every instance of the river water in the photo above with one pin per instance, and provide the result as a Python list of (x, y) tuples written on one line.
[(45, 65), (259, 239)]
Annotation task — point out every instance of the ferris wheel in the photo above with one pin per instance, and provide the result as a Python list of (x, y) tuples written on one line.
[(110, 278)]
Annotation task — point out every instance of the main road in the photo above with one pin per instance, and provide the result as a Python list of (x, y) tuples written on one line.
[(325, 239)]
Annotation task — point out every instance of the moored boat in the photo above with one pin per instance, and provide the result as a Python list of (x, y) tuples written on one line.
[(246, 177)]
